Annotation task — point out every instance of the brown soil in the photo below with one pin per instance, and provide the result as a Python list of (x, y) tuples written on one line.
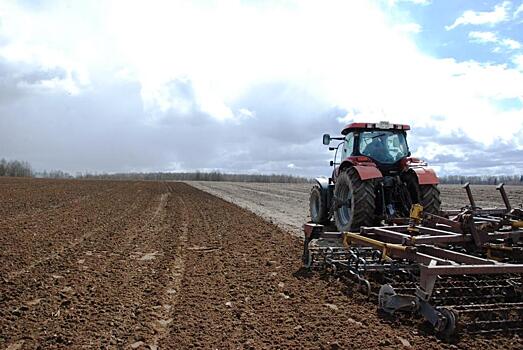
[(87, 264)]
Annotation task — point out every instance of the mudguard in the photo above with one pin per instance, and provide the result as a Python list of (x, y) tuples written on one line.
[(326, 189), (368, 172), (364, 166), (323, 182), (426, 176)]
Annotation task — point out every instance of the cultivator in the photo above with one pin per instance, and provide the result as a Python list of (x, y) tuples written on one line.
[(461, 269)]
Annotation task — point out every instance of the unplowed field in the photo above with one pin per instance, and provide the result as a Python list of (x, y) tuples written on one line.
[(287, 205), (147, 265)]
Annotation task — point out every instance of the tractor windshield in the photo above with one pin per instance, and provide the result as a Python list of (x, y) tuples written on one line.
[(385, 147)]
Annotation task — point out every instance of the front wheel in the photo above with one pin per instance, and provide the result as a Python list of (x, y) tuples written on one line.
[(354, 201), (318, 206)]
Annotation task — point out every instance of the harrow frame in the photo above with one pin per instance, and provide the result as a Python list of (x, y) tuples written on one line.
[(429, 251)]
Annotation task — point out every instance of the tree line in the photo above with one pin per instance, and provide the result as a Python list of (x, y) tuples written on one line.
[(16, 168), (198, 176), (482, 180)]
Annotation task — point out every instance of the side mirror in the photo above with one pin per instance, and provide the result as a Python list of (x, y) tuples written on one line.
[(331, 163), (326, 139)]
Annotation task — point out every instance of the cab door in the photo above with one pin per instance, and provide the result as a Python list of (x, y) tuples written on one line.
[(344, 151)]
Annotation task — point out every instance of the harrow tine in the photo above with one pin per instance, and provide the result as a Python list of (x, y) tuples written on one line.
[(469, 195), (501, 189)]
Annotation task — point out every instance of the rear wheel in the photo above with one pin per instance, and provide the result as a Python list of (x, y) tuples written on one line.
[(318, 206), (429, 197), (426, 195), (354, 201)]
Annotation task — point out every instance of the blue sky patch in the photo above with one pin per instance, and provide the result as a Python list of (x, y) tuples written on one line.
[(468, 41)]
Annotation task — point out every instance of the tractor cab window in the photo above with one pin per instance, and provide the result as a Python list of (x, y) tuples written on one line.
[(348, 146), (385, 147)]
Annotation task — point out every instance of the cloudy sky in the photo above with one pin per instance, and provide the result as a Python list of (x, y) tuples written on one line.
[(250, 86)]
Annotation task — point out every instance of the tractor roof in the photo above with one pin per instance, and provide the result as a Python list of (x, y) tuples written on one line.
[(374, 126)]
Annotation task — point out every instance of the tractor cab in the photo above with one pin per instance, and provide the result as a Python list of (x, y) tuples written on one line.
[(383, 144)]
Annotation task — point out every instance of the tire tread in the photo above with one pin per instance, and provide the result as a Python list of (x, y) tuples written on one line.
[(363, 202)]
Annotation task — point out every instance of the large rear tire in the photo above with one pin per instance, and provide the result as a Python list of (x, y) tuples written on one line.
[(354, 201), (429, 197), (426, 195), (318, 206)]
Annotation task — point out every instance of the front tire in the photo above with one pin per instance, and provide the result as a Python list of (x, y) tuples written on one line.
[(354, 201), (318, 206)]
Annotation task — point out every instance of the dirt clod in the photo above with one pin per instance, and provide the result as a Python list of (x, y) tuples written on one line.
[(137, 344), (404, 342)]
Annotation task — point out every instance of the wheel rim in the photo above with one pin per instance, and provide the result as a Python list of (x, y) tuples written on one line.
[(345, 210)]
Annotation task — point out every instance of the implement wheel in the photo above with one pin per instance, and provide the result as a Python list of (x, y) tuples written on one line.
[(318, 206), (447, 325), (354, 201)]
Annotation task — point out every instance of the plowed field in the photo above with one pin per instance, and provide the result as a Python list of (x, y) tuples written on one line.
[(148, 265)]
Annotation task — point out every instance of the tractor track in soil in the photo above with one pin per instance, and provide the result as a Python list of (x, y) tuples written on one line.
[(164, 265)]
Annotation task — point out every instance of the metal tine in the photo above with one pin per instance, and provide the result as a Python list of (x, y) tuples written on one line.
[(469, 195), (501, 189)]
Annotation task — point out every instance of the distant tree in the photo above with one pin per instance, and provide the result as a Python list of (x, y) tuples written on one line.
[(3, 167), (483, 180), (15, 168)]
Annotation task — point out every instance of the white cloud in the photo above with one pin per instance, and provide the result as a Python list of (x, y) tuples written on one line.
[(490, 37), (518, 10), (245, 113), (483, 37), (511, 44), (499, 14), (416, 2), (409, 28), (191, 62), (518, 61)]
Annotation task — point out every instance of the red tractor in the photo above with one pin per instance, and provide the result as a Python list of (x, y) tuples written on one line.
[(374, 179)]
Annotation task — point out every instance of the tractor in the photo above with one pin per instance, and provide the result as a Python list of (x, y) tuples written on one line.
[(374, 179), (459, 269)]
